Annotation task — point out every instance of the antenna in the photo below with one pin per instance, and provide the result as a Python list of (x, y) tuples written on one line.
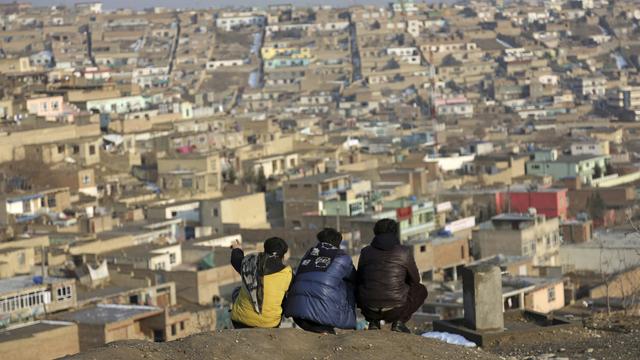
[(432, 98)]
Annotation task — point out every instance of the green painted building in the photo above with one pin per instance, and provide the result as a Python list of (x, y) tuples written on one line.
[(584, 167)]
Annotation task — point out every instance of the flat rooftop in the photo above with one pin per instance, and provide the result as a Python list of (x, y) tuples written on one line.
[(138, 251), (97, 294), (109, 313), (24, 331), (318, 178), (24, 282), (513, 217)]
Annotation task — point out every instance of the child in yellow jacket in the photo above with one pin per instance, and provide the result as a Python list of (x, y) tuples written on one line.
[(265, 281)]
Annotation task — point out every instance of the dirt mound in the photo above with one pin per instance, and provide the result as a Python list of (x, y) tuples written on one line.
[(255, 344)]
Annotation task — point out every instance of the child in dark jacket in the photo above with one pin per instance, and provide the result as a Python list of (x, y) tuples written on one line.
[(322, 295), (389, 285)]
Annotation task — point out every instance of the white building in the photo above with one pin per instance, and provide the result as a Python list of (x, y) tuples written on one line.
[(229, 21), (455, 106), (591, 86), (216, 64), (590, 146), (410, 55)]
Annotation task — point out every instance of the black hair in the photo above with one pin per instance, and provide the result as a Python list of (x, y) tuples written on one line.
[(275, 245), (330, 236)]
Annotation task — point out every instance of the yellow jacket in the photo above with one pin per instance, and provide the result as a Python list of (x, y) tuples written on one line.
[(275, 287)]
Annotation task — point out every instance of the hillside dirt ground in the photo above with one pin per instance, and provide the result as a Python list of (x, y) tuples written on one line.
[(288, 344), (616, 338)]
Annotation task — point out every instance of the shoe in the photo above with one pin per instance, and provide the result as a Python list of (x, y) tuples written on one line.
[(400, 326), (374, 325)]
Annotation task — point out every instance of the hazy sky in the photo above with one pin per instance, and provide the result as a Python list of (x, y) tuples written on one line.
[(139, 4)]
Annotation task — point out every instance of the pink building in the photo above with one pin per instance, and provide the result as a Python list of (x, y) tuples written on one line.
[(50, 107)]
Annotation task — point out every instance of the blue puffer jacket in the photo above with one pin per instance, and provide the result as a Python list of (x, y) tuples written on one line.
[(323, 290)]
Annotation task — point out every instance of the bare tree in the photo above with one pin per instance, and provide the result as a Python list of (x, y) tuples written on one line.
[(605, 278)]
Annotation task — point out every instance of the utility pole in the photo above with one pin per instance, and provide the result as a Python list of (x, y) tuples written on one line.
[(43, 258), (338, 219)]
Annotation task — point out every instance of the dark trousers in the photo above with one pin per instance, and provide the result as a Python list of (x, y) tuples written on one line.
[(239, 325), (416, 297), (313, 326)]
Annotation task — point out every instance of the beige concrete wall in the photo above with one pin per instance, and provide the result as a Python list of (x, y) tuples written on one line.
[(36, 241), (626, 285), (91, 336), (451, 253), (52, 344), (249, 211), (16, 261), (423, 255), (123, 331), (510, 242), (102, 246), (12, 143)]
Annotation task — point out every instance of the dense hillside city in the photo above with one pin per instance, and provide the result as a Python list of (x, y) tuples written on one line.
[(140, 149)]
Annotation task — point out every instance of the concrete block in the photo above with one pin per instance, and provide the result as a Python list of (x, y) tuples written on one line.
[(482, 295)]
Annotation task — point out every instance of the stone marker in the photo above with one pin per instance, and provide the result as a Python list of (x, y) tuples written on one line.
[(482, 294)]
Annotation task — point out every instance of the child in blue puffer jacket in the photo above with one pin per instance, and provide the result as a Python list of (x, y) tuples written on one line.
[(322, 294)]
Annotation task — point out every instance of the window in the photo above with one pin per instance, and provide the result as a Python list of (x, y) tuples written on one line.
[(60, 149), (63, 293), (173, 330), (187, 183), (172, 258), (551, 294), (86, 180), (76, 149), (215, 212), (51, 201), (92, 149), (181, 325), (423, 248), (462, 252)]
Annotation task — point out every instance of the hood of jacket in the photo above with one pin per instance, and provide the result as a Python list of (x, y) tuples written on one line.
[(385, 242)]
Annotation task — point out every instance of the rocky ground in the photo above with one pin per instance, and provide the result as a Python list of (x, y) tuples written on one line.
[(615, 339), (288, 344)]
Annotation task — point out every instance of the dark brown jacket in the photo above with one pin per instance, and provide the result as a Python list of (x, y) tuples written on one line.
[(386, 270)]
